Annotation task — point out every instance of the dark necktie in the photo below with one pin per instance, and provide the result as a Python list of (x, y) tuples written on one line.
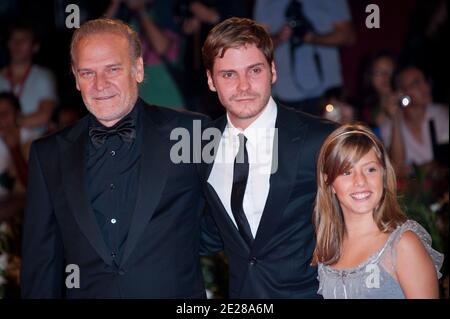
[(125, 129), (240, 176)]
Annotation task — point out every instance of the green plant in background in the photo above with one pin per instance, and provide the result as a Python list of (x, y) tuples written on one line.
[(4, 239), (9, 261), (424, 197), (215, 274)]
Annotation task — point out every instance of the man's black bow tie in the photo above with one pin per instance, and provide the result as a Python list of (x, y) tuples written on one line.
[(126, 130)]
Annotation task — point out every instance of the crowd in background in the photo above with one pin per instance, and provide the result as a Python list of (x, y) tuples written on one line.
[(329, 63)]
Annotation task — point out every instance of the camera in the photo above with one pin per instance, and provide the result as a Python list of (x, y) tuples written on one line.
[(405, 100), (298, 22), (182, 11)]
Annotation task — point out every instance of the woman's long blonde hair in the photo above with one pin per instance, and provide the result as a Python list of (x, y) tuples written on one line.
[(340, 151)]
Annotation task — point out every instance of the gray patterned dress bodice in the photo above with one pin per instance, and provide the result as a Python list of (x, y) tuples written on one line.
[(374, 278)]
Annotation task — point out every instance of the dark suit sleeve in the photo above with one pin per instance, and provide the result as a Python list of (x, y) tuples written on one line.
[(42, 250), (211, 242)]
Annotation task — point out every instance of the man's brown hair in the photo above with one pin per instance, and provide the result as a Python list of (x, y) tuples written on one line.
[(235, 33)]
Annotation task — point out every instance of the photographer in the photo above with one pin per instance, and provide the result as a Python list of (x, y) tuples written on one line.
[(197, 18), (408, 134), (14, 147), (307, 35)]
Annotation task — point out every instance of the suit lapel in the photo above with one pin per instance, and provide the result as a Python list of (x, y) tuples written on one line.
[(289, 136), (152, 177), (290, 133), (73, 165), (220, 124), (234, 232)]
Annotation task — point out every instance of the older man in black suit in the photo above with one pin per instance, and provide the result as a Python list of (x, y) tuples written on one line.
[(104, 197)]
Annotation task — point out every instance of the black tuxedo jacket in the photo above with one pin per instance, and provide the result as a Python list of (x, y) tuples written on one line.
[(278, 263), (161, 254)]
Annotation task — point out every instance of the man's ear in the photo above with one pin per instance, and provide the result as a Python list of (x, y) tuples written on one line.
[(274, 72), (36, 48), (76, 77), (139, 70), (210, 81)]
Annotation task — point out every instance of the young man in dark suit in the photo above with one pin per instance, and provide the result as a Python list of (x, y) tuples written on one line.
[(261, 185), (105, 201)]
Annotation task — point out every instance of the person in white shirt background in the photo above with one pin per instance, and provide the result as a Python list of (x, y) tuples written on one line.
[(407, 135), (34, 85)]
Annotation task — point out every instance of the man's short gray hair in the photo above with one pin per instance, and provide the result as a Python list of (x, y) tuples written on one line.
[(104, 25)]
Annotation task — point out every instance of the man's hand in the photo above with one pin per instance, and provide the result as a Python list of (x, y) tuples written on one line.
[(204, 13), (282, 36), (191, 25), (136, 5), (342, 35)]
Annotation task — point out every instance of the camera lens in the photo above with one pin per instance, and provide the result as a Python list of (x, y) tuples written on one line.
[(405, 100)]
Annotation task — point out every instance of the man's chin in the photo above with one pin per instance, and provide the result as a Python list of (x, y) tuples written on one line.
[(249, 113), (104, 102), (103, 116), (108, 121)]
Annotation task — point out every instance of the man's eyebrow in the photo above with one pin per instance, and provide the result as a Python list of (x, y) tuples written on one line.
[(248, 67), (226, 71), (113, 65), (106, 66), (256, 64), (84, 69)]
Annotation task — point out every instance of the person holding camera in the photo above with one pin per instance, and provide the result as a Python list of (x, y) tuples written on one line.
[(307, 35), (416, 125), (162, 43), (197, 18)]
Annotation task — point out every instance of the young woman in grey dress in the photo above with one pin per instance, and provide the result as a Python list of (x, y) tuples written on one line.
[(366, 247)]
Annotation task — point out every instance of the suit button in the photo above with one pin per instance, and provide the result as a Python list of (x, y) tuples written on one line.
[(252, 261), (113, 255), (121, 272)]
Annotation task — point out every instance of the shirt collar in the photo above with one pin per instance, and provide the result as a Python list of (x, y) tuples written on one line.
[(260, 127), (133, 115)]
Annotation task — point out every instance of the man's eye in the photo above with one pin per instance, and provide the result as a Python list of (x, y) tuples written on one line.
[(87, 74), (256, 70), (228, 75), (114, 70)]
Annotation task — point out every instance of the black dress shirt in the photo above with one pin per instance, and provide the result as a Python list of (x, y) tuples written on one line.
[(112, 184)]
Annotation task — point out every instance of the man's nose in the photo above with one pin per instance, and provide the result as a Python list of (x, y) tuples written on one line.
[(100, 82), (244, 84)]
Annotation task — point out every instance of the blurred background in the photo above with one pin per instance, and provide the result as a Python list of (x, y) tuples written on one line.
[(335, 58)]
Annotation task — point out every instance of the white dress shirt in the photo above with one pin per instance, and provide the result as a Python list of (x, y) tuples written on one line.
[(260, 137)]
